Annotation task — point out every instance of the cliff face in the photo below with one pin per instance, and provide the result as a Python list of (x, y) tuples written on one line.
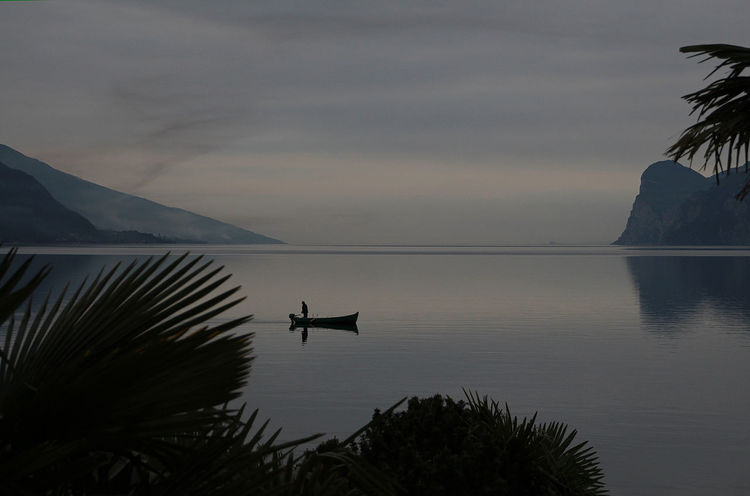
[(678, 206)]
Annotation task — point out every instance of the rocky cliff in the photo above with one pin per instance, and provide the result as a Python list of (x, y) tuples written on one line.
[(678, 206)]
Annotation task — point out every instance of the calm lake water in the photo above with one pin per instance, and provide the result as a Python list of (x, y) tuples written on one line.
[(646, 352)]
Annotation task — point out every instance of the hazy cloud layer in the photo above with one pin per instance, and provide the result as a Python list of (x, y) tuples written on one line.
[(417, 122)]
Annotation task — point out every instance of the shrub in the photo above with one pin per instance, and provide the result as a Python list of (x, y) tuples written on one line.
[(439, 446)]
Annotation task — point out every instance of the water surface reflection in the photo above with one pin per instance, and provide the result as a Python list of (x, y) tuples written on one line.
[(676, 291), (305, 330)]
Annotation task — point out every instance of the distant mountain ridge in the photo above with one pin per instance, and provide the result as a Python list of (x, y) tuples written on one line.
[(112, 210), (28, 213), (678, 206)]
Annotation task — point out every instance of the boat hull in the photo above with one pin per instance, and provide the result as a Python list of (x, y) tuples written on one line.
[(340, 322)]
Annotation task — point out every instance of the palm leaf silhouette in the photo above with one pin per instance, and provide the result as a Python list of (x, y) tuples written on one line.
[(118, 372), (723, 110), (124, 387)]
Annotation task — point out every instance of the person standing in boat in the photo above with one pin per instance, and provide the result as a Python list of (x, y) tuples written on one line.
[(304, 309)]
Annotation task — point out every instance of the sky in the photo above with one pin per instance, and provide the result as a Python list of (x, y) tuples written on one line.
[(389, 122)]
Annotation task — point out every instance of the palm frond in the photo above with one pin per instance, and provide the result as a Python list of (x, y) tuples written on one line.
[(123, 387), (130, 359), (722, 108), (12, 292)]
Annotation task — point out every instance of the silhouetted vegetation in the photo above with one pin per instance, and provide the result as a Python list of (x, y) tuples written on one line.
[(124, 388), (440, 446), (723, 110)]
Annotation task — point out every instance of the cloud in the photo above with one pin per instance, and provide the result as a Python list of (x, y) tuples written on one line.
[(173, 128)]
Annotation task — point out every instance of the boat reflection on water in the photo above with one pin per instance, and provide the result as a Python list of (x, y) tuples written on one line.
[(341, 327)]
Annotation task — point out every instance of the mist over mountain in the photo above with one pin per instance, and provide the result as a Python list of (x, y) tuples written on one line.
[(678, 206), (111, 210), (29, 214)]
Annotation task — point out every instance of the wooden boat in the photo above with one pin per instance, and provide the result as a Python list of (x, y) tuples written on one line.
[(348, 322)]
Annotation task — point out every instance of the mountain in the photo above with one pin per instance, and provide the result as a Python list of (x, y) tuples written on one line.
[(111, 210), (28, 213), (678, 206)]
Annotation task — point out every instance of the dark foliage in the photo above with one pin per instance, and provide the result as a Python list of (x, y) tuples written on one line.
[(439, 446), (123, 389), (723, 110)]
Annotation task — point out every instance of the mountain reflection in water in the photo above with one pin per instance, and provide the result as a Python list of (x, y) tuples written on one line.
[(673, 291)]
